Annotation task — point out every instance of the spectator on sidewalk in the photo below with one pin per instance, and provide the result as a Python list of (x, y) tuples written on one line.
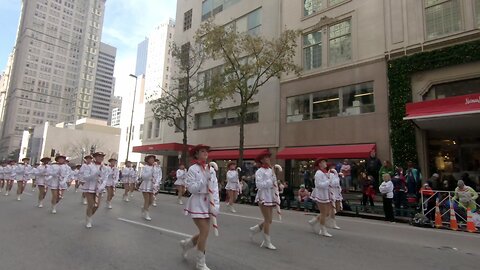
[(466, 196), (429, 200), (368, 190), (346, 171), (399, 189), (373, 165), (468, 181), (387, 168), (303, 196), (386, 188), (414, 179), (287, 196), (435, 182)]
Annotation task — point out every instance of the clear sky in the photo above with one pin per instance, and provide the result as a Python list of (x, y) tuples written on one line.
[(126, 23)]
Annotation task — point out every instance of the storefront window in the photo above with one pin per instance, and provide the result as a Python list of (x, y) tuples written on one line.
[(298, 108), (452, 89)]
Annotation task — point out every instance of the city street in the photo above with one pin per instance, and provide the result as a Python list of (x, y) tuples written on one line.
[(32, 238)]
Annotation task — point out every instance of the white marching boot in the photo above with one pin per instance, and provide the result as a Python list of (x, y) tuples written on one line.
[(19, 198), (267, 243), (231, 208), (109, 205), (334, 225), (84, 201), (54, 209), (6, 193), (146, 215), (154, 204), (323, 231), (201, 265), (254, 230), (180, 201), (186, 245), (313, 222), (89, 222), (40, 204)]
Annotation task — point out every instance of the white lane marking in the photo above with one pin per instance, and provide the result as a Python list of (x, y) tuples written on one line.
[(248, 217), (156, 228), (26, 193)]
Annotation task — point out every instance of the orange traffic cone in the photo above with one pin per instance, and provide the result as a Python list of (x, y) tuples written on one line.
[(470, 225), (453, 218), (438, 217)]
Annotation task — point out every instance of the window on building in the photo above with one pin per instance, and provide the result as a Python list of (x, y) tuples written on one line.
[(298, 108), (141, 132), (187, 20), (226, 117), (314, 6), (340, 45), (312, 50), (477, 11), (213, 7), (149, 129), (157, 128), (442, 17), (348, 100), (453, 89)]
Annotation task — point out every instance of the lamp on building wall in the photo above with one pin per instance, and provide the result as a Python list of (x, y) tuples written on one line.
[(131, 118)]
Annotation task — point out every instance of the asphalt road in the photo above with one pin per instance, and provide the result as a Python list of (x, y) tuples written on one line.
[(33, 238)]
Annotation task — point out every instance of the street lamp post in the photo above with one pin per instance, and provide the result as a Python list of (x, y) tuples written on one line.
[(131, 118)]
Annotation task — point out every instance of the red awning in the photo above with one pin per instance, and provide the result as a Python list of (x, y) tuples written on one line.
[(160, 149), (234, 154), (452, 106), (331, 151)]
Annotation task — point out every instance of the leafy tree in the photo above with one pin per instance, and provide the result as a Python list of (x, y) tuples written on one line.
[(176, 104), (249, 62)]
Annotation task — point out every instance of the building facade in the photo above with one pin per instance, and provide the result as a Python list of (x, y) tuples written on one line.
[(141, 63), (444, 109), (54, 65), (115, 111), (104, 83)]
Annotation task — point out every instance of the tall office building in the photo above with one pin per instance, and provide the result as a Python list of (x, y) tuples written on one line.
[(115, 110), (104, 83), (54, 65), (141, 64)]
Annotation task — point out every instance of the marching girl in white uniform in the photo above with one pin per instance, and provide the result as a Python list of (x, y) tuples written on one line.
[(76, 177), (41, 174), (151, 176), (180, 182), (94, 177), (85, 168), (58, 175), (9, 172), (23, 173), (321, 195), (200, 179), (112, 179), (265, 180), (129, 179), (335, 190), (156, 188), (233, 185), (2, 175)]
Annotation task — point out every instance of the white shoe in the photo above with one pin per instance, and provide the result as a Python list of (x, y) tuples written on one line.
[(127, 199), (6, 193), (201, 265), (84, 201), (54, 210), (312, 223), (147, 216), (186, 245), (40, 204), (232, 209), (334, 225), (267, 243), (254, 230), (89, 222), (19, 198), (109, 205), (180, 201), (76, 190), (131, 194), (154, 204), (323, 231)]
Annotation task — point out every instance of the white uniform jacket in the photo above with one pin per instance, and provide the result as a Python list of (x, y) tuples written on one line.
[(335, 186), (94, 177), (41, 175), (181, 174), (129, 176), (198, 181), (58, 176), (151, 178), (233, 182), (321, 192), (265, 180), (23, 172), (113, 175)]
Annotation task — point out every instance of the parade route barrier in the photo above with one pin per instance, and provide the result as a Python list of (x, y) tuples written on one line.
[(449, 213)]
